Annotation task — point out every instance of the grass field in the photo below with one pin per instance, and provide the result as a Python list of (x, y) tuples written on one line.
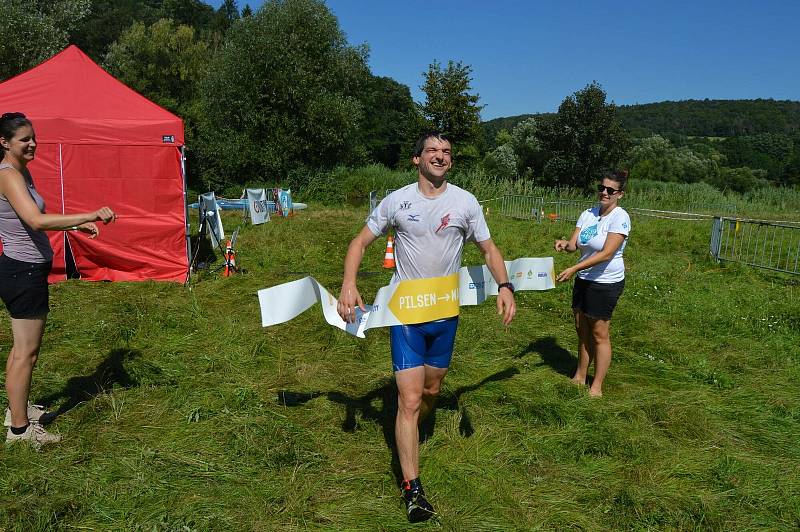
[(179, 412)]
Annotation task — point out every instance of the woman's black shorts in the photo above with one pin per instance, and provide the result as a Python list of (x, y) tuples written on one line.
[(23, 287), (596, 300)]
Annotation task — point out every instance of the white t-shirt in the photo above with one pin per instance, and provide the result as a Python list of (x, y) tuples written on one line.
[(592, 238), (429, 232)]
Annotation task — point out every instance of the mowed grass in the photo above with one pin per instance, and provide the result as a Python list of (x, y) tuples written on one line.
[(179, 412)]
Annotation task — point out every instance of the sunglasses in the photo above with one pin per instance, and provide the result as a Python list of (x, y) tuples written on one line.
[(610, 191)]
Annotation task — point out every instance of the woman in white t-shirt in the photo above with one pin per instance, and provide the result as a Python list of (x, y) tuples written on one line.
[(600, 234)]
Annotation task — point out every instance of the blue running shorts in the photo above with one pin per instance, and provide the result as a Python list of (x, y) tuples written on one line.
[(429, 344)]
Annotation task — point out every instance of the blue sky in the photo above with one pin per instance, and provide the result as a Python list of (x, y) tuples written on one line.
[(527, 55)]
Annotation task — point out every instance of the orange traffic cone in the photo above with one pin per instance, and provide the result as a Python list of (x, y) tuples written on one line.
[(388, 259), (230, 260)]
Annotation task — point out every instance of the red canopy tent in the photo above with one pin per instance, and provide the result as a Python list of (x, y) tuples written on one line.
[(101, 143)]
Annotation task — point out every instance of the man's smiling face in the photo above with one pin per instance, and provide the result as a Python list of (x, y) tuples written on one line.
[(435, 160)]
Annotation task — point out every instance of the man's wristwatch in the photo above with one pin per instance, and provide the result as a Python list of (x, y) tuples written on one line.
[(506, 285)]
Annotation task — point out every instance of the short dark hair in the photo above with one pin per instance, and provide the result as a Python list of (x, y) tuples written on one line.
[(420, 145), (10, 123), (618, 176)]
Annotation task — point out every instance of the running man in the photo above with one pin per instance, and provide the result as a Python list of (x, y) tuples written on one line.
[(431, 220)]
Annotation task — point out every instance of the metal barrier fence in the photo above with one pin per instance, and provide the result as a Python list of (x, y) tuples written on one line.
[(566, 210), (669, 215), (521, 207), (763, 244), (536, 208), (711, 208)]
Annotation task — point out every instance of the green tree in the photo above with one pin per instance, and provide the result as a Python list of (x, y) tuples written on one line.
[(106, 21), (230, 10), (528, 148), (390, 118), (583, 140), (656, 158), (450, 107), (518, 154), (501, 162), (740, 179), (197, 14), (165, 62), (282, 95), (765, 151), (502, 137), (35, 30)]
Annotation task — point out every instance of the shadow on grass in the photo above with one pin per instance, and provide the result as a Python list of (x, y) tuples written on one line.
[(553, 355), (385, 411), (109, 373)]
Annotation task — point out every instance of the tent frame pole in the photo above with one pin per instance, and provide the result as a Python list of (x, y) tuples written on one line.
[(186, 215)]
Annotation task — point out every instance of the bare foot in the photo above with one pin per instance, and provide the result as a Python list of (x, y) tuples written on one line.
[(594, 393), (577, 380)]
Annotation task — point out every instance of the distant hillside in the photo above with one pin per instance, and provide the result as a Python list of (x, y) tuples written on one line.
[(700, 118), (712, 118)]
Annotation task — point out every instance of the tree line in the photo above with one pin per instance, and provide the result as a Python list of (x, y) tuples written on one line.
[(732, 144), (277, 94), (265, 96)]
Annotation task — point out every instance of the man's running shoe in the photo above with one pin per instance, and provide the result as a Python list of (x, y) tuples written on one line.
[(418, 508), (35, 414)]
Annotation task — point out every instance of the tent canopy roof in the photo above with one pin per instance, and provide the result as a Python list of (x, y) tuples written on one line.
[(71, 100)]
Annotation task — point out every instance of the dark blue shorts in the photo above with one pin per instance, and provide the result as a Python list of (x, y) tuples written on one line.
[(429, 344), (596, 300), (23, 287)]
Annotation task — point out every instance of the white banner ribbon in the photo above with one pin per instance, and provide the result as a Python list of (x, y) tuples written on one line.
[(406, 302)]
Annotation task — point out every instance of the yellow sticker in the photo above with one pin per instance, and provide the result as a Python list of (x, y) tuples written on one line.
[(423, 300)]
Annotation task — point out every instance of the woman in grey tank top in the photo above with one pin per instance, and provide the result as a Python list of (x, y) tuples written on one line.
[(24, 266)]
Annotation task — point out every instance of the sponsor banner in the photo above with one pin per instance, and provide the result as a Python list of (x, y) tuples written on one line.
[(283, 201), (209, 210), (285, 198), (276, 198), (406, 302), (258, 205), (476, 283)]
